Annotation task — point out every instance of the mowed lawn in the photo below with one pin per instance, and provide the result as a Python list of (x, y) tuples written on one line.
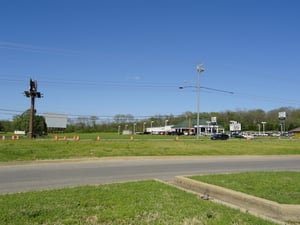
[(141, 145), (145, 202), (280, 186)]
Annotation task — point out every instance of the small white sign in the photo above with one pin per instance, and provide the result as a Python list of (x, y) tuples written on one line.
[(214, 120)]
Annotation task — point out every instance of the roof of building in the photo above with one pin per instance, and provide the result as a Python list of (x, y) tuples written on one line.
[(191, 123), (296, 130)]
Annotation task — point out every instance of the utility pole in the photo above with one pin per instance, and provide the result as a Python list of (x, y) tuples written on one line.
[(32, 93)]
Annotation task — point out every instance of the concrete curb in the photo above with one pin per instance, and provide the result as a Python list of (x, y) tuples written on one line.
[(252, 204)]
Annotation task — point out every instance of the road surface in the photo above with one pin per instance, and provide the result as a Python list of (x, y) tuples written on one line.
[(59, 174)]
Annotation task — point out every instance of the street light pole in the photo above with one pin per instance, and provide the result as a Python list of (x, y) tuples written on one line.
[(263, 123), (166, 122), (151, 125), (199, 70), (134, 128)]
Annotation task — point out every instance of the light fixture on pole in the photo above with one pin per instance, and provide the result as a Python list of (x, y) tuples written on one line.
[(199, 70)]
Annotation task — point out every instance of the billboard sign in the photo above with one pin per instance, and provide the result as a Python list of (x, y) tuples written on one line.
[(282, 115), (56, 120), (235, 127), (214, 120)]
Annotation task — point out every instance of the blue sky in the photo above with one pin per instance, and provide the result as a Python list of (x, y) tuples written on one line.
[(109, 57)]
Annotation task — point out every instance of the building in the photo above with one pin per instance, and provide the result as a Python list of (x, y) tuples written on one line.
[(161, 130), (295, 131), (189, 127)]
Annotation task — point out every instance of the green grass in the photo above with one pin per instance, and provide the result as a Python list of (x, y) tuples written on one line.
[(146, 202), (112, 145), (281, 187)]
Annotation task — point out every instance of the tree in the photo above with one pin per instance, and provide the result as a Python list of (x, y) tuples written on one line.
[(93, 119), (21, 122), (6, 126), (123, 118)]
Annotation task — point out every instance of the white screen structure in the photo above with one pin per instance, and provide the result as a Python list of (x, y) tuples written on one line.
[(56, 120)]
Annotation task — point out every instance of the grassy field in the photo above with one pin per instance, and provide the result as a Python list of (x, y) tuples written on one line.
[(111, 145), (146, 202), (281, 187)]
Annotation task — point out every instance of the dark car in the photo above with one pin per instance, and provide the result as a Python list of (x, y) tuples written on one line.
[(219, 137), (236, 135)]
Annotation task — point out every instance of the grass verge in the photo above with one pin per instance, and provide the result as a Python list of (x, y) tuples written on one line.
[(146, 202), (44, 149), (282, 187)]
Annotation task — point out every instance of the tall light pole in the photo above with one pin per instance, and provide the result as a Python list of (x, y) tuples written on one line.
[(134, 125), (166, 122), (208, 127), (263, 123), (151, 125), (199, 70)]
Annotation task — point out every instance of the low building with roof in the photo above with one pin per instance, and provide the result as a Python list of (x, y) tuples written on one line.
[(189, 127), (295, 131), (169, 129)]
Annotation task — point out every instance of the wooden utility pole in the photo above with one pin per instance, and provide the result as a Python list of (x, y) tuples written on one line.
[(32, 94)]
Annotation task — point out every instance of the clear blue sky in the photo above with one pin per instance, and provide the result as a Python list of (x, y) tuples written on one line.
[(108, 57)]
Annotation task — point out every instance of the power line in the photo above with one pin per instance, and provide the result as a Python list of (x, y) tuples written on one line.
[(76, 116), (87, 84)]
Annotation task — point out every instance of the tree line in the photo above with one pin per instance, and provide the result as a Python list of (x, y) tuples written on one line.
[(250, 119)]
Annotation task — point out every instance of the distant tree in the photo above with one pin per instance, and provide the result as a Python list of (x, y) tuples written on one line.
[(21, 122), (123, 118), (82, 122), (294, 119), (93, 120), (6, 126)]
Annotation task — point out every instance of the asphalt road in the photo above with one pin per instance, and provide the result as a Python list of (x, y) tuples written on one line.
[(59, 174)]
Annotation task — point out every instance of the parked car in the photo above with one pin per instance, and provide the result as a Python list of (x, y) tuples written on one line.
[(237, 135), (219, 137)]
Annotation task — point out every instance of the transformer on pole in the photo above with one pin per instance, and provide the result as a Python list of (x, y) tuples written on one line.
[(32, 93)]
